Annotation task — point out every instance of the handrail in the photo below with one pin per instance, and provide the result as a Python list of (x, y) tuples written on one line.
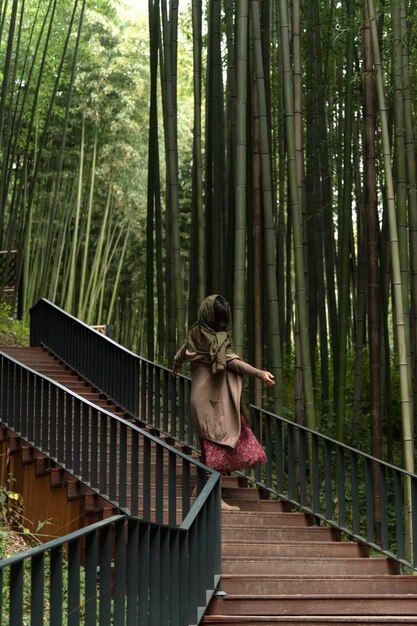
[(116, 584), (135, 384), (140, 387), (361, 495), (103, 450)]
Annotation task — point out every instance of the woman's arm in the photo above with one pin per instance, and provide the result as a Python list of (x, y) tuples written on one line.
[(240, 366), (179, 359)]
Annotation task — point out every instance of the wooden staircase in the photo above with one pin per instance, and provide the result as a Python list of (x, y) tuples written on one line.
[(48, 491), (277, 567)]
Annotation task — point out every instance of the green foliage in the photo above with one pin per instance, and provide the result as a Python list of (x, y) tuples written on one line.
[(357, 434), (15, 532), (27, 592), (12, 331)]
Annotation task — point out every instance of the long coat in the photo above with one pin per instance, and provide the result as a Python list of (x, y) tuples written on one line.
[(215, 398)]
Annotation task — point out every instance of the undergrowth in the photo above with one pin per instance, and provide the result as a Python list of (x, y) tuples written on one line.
[(12, 331)]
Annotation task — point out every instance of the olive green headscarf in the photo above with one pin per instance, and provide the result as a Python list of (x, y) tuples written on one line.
[(203, 337)]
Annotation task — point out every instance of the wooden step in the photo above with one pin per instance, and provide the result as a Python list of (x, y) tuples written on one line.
[(300, 548), (234, 481), (255, 504), (309, 620), (306, 604), (247, 519), (252, 494), (311, 566), (275, 584), (294, 533)]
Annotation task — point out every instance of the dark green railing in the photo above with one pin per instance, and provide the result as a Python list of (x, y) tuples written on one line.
[(363, 496), (138, 473), (143, 389), (112, 572), (368, 499)]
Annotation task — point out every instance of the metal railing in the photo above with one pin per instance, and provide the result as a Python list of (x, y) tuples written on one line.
[(112, 572), (138, 473), (143, 389), (366, 498), (350, 490)]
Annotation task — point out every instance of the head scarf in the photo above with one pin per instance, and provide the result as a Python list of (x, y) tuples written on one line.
[(203, 338)]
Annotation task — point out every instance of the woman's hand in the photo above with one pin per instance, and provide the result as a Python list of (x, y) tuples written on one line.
[(267, 378)]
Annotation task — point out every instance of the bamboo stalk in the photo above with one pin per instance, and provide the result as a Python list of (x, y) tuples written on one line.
[(407, 430), (301, 296), (239, 271)]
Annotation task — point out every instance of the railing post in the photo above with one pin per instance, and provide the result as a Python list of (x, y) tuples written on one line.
[(105, 576), (302, 437), (17, 400), (53, 423), (145, 555), (157, 398), (123, 463), (37, 590), (91, 579), (172, 486), (115, 442), (184, 576), (279, 456), (76, 464), (103, 452), (159, 486), (68, 430), (383, 509), (55, 593), (134, 473), (37, 418), (315, 475), (192, 571), (146, 480), (414, 518), (24, 382), (165, 581), (268, 450), (328, 479), (355, 494), (176, 591), (340, 468), (190, 428), (165, 400), (16, 592), (132, 566), (74, 583), (369, 501), (291, 463)]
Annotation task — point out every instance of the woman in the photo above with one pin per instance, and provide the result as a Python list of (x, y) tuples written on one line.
[(227, 443)]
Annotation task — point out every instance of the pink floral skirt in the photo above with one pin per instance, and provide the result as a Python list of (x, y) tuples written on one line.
[(247, 453)]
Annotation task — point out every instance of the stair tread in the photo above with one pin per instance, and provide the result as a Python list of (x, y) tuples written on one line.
[(302, 558), (292, 577), (302, 542), (312, 596), (312, 619)]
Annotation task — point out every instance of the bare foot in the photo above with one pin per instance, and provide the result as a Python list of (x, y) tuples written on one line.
[(229, 507)]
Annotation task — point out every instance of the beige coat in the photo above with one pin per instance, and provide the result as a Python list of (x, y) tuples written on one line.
[(215, 398)]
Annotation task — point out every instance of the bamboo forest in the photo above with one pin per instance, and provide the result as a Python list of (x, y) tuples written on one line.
[(154, 153)]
